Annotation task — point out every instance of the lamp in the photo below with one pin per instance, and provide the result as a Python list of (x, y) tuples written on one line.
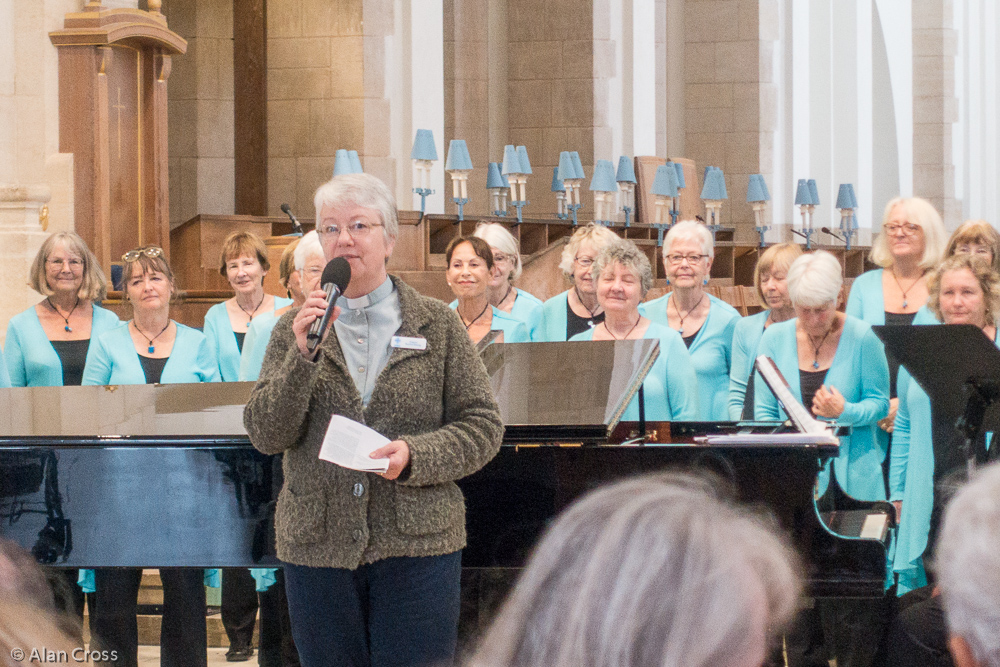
[(665, 189), (560, 190), (804, 200), (626, 185), (847, 202), (458, 164), (498, 187), (571, 174), (516, 168), (424, 154), (342, 163), (355, 162), (713, 193), (757, 197), (603, 185)]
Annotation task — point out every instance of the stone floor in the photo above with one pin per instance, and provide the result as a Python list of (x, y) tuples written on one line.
[(149, 656)]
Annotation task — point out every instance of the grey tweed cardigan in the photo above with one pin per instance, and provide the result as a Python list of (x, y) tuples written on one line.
[(438, 400)]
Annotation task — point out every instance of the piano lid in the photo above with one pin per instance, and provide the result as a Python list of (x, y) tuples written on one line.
[(127, 411), (568, 392)]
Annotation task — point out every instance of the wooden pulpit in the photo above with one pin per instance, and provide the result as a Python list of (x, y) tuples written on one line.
[(113, 70)]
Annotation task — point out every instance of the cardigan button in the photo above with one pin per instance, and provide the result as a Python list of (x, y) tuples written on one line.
[(359, 490), (358, 535)]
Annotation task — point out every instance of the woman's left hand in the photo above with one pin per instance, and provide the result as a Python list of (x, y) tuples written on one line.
[(398, 453), (828, 402)]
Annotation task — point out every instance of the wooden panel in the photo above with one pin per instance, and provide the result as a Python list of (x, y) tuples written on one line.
[(250, 107)]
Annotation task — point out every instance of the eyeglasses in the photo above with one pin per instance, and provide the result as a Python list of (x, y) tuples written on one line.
[(357, 229), (73, 262), (907, 228), (149, 251), (674, 260), (500, 258), (979, 250), (313, 270), (584, 261)]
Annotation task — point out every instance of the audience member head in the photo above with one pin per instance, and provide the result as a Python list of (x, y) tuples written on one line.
[(912, 229), (64, 262), (968, 568), (470, 266), (964, 290), (688, 252), (652, 571), (506, 254), (977, 238), (622, 273), (579, 253), (770, 275)]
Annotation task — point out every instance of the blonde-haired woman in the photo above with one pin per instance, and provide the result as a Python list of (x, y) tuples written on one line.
[(576, 310), (770, 277)]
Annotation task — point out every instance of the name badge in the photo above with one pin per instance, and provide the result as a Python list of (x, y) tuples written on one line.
[(408, 343)]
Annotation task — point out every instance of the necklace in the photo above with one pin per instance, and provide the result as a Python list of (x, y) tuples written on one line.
[(507, 294), (816, 348), (469, 324), (593, 313), (905, 291), (251, 314), (685, 315), (149, 340), (612, 333), (65, 317)]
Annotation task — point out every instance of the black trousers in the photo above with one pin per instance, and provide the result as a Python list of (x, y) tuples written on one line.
[(918, 636), (277, 648), (239, 605), (183, 633)]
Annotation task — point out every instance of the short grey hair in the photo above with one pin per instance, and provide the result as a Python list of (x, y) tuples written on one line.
[(598, 236), (654, 570), (308, 246), (498, 237), (968, 565), (690, 229), (815, 279), (627, 254), (362, 190)]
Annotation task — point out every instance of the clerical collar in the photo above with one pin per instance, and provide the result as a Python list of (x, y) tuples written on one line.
[(370, 299)]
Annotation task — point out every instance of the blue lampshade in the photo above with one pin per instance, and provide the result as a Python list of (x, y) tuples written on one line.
[(757, 189), (522, 156), (603, 179), (577, 165), (802, 195), (715, 185), (626, 171), (342, 163), (511, 162), (845, 196), (423, 146), (665, 181), (679, 168), (494, 179), (557, 184), (458, 156), (355, 162), (566, 170), (813, 191)]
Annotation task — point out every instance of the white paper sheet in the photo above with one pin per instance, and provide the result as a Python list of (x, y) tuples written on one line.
[(348, 444)]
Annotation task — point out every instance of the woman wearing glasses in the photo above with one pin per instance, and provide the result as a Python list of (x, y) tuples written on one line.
[(150, 349), (576, 310), (507, 262), (704, 322), (976, 238), (244, 263), (470, 270)]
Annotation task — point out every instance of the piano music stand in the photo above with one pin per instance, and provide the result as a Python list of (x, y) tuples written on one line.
[(959, 368)]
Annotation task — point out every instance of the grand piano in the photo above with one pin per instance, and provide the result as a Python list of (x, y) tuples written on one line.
[(164, 475)]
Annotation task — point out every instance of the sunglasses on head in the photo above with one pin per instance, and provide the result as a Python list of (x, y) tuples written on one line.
[(149, 251)]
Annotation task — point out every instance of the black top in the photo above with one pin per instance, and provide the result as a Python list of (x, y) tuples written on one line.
[(73, 356), (239, 340), (576, 324), (895, 320), (689, 339), (809, 383), (152, 368)]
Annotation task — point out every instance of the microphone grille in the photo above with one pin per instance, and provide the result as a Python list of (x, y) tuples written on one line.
[(338, 272)]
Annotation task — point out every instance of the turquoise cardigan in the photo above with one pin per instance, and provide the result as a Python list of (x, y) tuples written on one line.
[(711, 353), (866, 301), (255, 345), (911, 474), (31, 359), (746, 337), (670, 387), (219, 331), (112, 359), (860, 372), (4, 377), (527, 308), (551, 324), (514, 330)]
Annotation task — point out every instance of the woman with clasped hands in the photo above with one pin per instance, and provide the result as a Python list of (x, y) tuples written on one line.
[(372, 561)]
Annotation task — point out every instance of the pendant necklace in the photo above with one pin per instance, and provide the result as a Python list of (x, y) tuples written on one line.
[(612, 333), (816, 348), (65, 317), (251, 314), (685, 315), (593, 313), (151, 349), (904, 291), (469, 324), (507, 294)]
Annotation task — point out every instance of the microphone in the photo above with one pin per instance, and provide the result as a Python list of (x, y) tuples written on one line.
[(296, 226), (827, 230), (336, 276)]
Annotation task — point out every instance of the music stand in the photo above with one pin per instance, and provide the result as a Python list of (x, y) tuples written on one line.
[(958, 367)]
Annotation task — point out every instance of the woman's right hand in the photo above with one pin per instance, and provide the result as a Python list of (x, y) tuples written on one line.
[(312, 310)]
